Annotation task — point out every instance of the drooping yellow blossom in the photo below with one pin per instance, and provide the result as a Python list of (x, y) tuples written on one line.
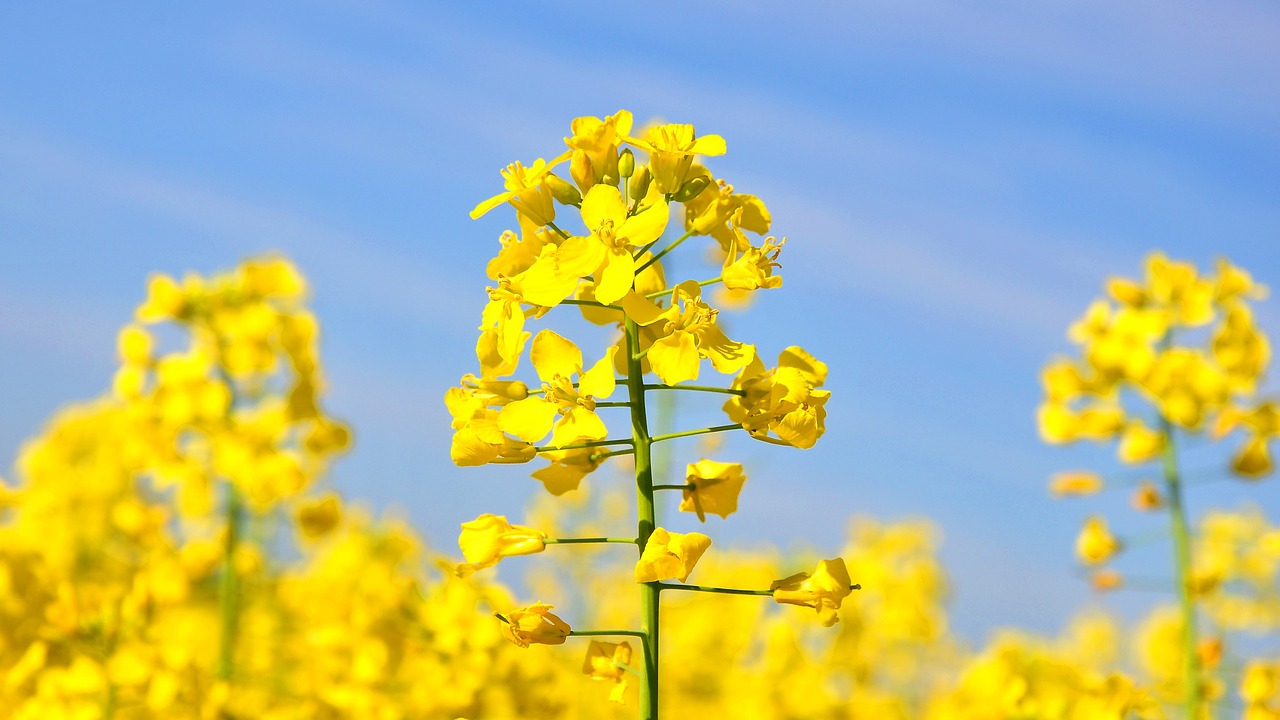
[(1096, 545), (526, 191), (670, 555), (784, 400), (489, 538), (535, 624), (712, 487), (608, 661), (567, 468), (723, 214), (562, 409), (823, 589), (1078, 482), (671, 151)]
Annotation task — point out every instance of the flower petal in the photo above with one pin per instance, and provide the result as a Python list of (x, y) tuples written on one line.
[(554, 355)]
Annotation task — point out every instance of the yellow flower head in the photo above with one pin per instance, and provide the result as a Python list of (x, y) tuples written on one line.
[(1095, 545), (690, 333), (569, 410), (670, 555), (535, 624), (489, 538), (754, 269), (527, 191), (615, 235), (1139, 443), (712, 487), (823, 589), (784, 400), (595, 147), (608, 661), (671, 151)]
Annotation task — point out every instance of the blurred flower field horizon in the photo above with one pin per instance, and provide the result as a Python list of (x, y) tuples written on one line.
[(1005, 292)]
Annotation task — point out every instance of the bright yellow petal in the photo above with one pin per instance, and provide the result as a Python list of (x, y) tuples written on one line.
[(578, 425), (543, 283), (599, 381), (554, 355), (603, 202), (616, 276), (529, 419), (708, 145), (641, 309), (490, 204), (647, 225), (580, 256), (674, 358), (726, 355)]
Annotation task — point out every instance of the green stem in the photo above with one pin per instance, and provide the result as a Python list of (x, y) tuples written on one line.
[(587, 540), (229, 586), (647, 520), (699, 431), (674, 244), (588, 303), (602, 456), (615, 403), (1182, 568), (559, 232), (701, 283), (596, 633), (698, 388), (724, 590), (686, 486), (578, 446)]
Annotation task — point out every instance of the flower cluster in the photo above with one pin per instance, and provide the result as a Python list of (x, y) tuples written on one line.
[(592, 240)]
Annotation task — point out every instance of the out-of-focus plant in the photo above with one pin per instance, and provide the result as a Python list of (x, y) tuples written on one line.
[(1162, 359), (612, 270)]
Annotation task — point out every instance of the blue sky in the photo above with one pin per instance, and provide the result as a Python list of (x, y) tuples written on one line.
[(956, 182)]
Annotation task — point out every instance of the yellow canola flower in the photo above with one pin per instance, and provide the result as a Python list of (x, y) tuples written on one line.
[(607, 252), (823, 589), (166, 300), (1177, 286), (671, 149), (1096, 545), (567, 468), (1260, 683), (489, 538), (784, 400), (526, 190), (754, 269), (1139, 443), (134, 345), (712, 487), (608, 661), (557, 361), (688, 333), (722, 213), (670, 555), (594, 145), (1078, 482), (535, 624)]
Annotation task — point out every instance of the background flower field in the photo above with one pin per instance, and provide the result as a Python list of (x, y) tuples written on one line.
[(956, 186)]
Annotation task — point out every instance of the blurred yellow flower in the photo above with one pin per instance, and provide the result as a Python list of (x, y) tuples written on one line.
[(1096, 545), (609, 661)]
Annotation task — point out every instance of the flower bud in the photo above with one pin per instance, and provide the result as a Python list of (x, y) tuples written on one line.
[(639, 185), (609, 179), (582, 171), (562, 191), (626, 163), (691, 189)]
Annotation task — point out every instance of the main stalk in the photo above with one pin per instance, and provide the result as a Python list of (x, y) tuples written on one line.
[(649, 605)]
